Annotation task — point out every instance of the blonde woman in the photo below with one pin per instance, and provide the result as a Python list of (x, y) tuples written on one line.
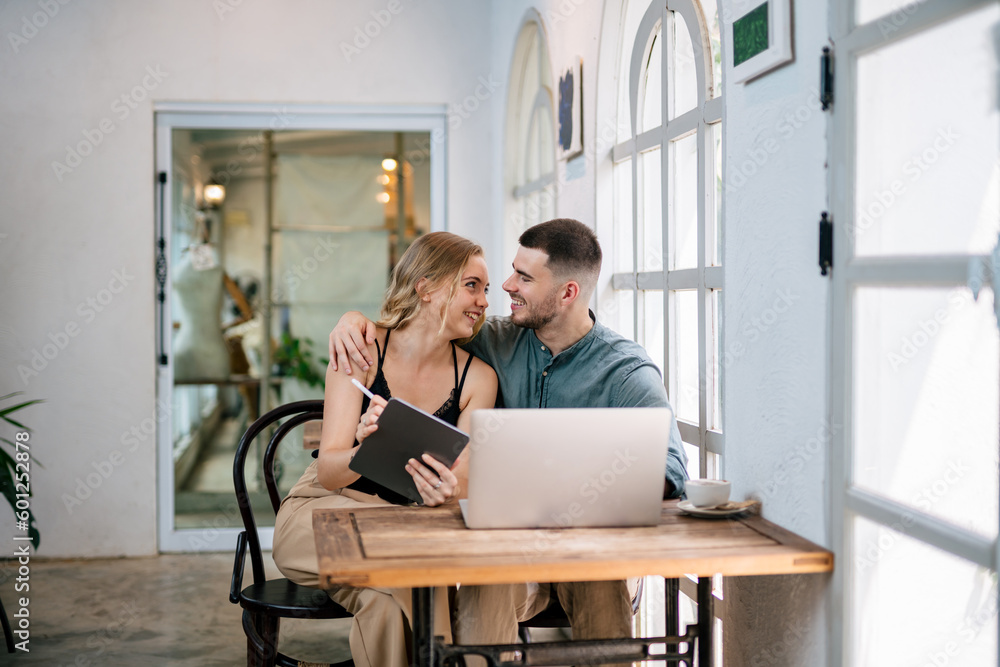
[(436, 298)]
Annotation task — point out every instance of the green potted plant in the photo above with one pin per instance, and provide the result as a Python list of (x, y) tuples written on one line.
[(293, 358), (15, 464)]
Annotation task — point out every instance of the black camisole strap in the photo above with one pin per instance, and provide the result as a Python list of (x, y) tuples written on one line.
[(460, 384), (378, 350)]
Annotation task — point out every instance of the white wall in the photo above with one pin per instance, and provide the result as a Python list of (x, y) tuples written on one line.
[(67, 234), (775, 337)]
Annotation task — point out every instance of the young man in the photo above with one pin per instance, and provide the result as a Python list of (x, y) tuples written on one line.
[(550, 352)]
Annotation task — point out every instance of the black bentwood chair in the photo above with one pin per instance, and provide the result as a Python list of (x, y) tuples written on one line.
[(265, 602)]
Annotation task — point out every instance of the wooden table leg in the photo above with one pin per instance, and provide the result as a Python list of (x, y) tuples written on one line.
[(706, 622), (423, 627)]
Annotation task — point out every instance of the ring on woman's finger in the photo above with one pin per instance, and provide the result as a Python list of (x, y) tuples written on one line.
[(438, 485), (364, 420)]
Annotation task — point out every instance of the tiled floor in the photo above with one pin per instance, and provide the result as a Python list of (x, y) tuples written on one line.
[(166, 610)]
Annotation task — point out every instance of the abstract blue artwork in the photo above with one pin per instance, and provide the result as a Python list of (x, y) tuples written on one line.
[(569, 110), (566, 110)]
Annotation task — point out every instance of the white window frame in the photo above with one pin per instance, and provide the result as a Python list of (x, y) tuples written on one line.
[(528, 201), (849, 273), (704, 279)]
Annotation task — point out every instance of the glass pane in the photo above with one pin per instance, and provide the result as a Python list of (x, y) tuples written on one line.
[(711, 11), (618, 312), (652, 88), (632, 17), (713, 210), (652, 325), (694, 460), (684, 91), (546, 143), (651, 248), (683, 210), (684, 354), (623, 246), (532, 159), (919, 605), (927, 171), (926, 401), (714, 346)]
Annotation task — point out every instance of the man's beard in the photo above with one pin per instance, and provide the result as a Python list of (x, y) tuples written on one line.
[(538, 316)]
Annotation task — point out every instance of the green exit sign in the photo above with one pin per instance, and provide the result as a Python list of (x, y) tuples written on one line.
[(750, 34)]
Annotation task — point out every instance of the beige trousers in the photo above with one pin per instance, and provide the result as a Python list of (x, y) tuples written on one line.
[(490, 614), (382, 616)]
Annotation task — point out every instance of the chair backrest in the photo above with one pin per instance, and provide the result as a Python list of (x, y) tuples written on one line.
[(298, 413)]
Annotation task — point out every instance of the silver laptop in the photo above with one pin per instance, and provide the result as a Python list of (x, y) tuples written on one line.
[(566, 467)]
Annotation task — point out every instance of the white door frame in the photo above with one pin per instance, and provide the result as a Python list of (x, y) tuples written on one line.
[(258, 116)]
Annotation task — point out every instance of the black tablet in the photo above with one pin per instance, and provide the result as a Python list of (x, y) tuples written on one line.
[(406, 432)]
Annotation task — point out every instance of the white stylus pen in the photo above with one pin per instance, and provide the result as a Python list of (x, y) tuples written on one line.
[(363, 388)]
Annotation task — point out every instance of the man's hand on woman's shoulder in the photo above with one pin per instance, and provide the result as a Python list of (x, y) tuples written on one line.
[(350, 340)]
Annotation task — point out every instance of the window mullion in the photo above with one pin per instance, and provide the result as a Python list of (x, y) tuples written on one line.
[(665, 246), (635, 231), (702, 306)]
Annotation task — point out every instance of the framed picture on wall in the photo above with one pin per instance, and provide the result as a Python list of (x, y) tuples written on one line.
[(571, 110), (761, 39)]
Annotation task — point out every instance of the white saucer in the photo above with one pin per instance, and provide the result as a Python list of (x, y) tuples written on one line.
[(708, 512)]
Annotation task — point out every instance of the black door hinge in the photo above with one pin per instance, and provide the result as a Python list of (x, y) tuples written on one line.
[(161, 268), (825, 243), (826, 79)]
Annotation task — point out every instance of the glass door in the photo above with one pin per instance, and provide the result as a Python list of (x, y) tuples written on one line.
[(273, 226), (916, 353)]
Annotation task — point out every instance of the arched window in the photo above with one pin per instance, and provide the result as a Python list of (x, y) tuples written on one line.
[(666, 232), (529, 153)]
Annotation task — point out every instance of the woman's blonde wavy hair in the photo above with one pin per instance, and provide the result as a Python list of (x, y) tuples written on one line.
[(440, 257)]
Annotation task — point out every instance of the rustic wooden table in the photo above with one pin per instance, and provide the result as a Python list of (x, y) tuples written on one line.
[(421, 547)]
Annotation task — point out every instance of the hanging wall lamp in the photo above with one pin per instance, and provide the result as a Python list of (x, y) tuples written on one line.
[(213, 194)]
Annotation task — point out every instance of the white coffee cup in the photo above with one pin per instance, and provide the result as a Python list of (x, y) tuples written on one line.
[(707, 493)]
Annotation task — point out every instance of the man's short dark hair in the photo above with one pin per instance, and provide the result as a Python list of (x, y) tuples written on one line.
[(572, 247)]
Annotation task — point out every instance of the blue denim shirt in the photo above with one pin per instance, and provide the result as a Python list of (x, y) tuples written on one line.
[(601, 370)]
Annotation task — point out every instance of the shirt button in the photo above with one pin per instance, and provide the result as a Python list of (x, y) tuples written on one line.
[(544, 373)]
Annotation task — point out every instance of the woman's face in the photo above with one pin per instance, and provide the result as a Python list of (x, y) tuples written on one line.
[(470, 303)]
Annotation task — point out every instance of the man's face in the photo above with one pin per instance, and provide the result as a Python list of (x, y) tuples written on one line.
[(532, 289)]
